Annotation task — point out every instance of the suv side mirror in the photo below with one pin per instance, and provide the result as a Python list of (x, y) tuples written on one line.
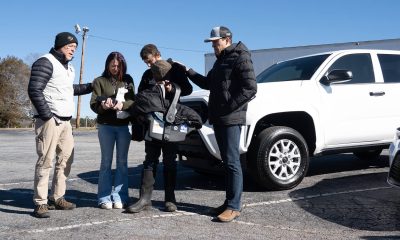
[(336, 76)]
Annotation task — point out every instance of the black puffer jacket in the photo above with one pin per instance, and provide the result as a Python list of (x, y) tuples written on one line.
[(232, 85), (151, 100), (41, 73)]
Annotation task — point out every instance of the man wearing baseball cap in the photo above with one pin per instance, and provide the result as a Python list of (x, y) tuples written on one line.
[(51, 91), (232, 85)]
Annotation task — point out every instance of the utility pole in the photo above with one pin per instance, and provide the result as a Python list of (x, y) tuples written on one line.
[(78, 108)]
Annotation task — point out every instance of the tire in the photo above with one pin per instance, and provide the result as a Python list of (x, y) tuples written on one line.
[(276, 168), (368, 155)]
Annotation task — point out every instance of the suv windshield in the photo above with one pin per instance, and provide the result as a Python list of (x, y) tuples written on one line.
[(296, 69)]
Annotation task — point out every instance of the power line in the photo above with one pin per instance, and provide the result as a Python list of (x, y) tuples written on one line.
[(141, 44)]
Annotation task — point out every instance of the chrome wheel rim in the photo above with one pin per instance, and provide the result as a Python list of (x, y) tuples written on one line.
[(284, 159)]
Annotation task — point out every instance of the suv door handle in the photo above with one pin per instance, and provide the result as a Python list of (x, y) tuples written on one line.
[(376, 93)]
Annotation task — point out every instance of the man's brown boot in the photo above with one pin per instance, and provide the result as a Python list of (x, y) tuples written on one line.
[(216, 211), (228, 215), (41, 211), (61, 204)]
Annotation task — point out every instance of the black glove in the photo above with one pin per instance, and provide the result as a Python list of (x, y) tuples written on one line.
[(181, 65)]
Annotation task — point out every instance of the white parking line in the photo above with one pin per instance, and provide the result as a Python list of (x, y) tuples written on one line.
[(276, 227), (17, 183), (312, 196), (168, 215), (184, 213), (77, 179), (93, 223)]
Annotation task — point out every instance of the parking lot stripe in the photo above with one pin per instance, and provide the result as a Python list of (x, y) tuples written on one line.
[(312, 196), (78, 179), (184, 213), (17, 183), (168, 215), (275, 227), (244, 205)]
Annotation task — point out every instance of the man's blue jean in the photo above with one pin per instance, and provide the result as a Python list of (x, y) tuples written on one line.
[(110, 136), (228, 138)]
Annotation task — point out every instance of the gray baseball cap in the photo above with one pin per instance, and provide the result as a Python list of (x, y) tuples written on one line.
[(219, 32)]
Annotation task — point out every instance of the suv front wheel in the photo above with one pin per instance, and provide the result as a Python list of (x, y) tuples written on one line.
[(279, 158)]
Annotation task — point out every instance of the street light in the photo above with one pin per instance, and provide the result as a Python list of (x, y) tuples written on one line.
[(78, 109)]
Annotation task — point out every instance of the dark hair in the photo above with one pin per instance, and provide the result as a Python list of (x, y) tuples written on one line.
[(121, 60), (149, 49)]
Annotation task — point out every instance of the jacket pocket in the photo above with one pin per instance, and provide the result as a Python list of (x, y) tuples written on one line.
[(225, 91)]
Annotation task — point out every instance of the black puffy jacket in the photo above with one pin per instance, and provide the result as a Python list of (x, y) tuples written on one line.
[(151, 100), (232, 85), (41, 73)]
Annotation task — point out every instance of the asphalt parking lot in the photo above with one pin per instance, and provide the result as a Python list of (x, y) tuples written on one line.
[(341, 198)]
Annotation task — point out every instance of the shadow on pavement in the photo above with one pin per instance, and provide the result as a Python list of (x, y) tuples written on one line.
[(17, 197), (186, 179), (22, 198), (353, 209), (343, 163), (380, 237)]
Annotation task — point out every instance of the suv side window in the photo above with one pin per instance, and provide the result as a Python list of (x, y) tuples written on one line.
[(390, 65), (359, 64)]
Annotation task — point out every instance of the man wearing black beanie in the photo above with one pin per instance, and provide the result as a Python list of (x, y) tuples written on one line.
[(63, 39), (51, 91)]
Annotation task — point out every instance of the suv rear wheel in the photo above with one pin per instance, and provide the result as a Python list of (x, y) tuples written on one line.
[(279, 158)]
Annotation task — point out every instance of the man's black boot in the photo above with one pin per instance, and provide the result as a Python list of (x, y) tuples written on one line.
[(146, 191)]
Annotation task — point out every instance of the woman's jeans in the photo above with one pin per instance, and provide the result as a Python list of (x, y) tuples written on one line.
[(228, 138), (109, 136)]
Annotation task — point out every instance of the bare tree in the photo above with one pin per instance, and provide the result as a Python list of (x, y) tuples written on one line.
[(15, 106)]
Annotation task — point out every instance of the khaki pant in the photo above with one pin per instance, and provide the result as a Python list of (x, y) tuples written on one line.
[(52, 140)]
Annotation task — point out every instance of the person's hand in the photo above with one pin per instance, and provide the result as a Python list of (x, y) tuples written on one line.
[(168, 86), (107, 104), (103, 105), (183, 66), (118, 106)]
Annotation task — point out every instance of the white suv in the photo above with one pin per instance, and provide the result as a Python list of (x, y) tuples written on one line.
[(325, 103)]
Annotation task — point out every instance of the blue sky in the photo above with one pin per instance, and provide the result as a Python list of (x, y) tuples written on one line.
[(179, 27)]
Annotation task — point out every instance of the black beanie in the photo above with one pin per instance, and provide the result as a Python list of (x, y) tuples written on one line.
[(63, 39)]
